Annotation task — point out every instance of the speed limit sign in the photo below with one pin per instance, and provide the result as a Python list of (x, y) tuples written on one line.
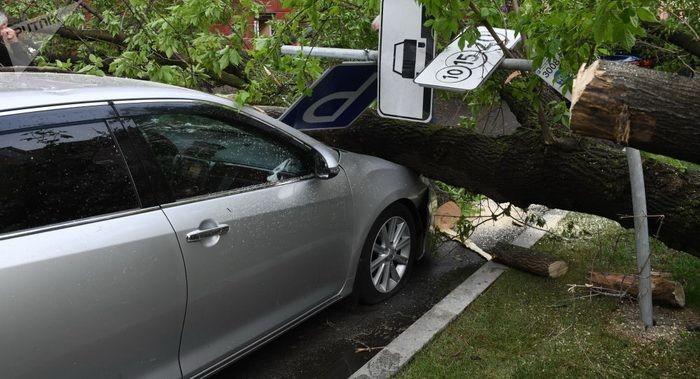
[(465, 69)]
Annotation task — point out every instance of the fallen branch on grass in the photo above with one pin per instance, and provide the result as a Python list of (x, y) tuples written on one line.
[(529, 261), (664, 291)]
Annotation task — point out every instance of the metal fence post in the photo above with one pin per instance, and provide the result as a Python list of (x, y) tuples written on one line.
[(641, 234)]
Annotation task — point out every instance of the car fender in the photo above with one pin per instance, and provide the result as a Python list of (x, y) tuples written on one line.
[(375, 184)]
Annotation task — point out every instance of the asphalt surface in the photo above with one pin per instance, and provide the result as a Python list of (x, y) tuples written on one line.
[(339, 340)]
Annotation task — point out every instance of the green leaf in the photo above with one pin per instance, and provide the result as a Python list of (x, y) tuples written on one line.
[(241, 98), (600, 27), (623, 35), (629, 39), (234, 57), (646, 15), (167, 76), (86, 68), (223, 62)]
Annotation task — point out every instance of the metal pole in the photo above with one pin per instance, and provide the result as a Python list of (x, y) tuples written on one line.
[(372, 55), (331, 52), (516, 64), (641, 235)]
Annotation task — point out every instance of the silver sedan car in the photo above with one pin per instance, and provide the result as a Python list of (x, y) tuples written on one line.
[(153, 231)]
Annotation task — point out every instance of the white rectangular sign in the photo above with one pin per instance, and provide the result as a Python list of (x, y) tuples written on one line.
[(465, 69), (549, 72), (405, 48)]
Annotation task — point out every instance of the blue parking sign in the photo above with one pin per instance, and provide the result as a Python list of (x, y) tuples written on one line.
[(338, 97)]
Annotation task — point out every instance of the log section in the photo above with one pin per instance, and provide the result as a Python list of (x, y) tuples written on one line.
[(664, 291), (649, 110), (529, 261)]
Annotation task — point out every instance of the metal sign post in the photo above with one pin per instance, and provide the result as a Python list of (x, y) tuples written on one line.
[(641, 235), (405, 48), (331, 52)]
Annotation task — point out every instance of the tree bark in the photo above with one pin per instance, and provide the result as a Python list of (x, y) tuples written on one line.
[(663, 290), (646, 109), (582, 174), (91, 35), (529, 261)]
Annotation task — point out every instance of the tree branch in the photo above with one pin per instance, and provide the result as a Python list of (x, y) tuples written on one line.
[(92, 35), (493, 33), (679, 38), (91, 10)]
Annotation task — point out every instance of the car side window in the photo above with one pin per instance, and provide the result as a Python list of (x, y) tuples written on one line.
[(200, 155), (61, 173)]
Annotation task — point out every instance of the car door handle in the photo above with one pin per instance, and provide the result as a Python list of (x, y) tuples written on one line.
[(198, 235)]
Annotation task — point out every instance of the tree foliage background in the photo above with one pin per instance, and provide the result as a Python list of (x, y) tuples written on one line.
[(178, 42)]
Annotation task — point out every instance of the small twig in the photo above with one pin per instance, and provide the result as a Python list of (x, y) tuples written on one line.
[(91, 10), (560, 333), (660, 217), (488, 26), (647, 216), (683, 20), (656, 47), (595, 291), (368, 349), (688, 66)]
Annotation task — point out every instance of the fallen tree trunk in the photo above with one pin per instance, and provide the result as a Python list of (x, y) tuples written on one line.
[(529, 261), (649, 110), (582, 175), (663, 290)]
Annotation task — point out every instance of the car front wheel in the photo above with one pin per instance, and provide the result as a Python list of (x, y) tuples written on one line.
[(388, 254)]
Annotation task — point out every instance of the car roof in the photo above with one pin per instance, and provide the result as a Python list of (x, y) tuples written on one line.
[(29, 90)]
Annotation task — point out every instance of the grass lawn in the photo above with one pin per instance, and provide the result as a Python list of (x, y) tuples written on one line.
[(531, 327)]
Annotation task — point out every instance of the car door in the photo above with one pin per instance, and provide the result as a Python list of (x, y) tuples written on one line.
[(264, 240), (92, 280)]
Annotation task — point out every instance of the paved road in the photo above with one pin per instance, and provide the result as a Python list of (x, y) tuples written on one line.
[(339, 340)]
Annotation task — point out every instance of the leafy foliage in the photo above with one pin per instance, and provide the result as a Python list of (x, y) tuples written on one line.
[(206, 43)]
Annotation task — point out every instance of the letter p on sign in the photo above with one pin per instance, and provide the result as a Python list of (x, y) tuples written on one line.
[(338, 97)]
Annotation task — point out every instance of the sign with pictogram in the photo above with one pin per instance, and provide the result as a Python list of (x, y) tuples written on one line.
[(406, 46), (465, 69)]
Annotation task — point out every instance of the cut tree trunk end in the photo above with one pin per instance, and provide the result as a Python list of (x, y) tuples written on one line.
[(649, 110), (529, 261), (446, 217), (664, 291)]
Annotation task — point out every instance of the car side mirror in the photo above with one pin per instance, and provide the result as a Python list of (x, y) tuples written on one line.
[(322, 169)]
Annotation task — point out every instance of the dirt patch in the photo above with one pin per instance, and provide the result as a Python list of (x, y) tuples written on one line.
[(671, 324)]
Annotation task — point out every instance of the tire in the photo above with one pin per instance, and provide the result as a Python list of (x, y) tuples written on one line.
[(378, 283)]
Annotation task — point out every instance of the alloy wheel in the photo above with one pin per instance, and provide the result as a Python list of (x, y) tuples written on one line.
[(390, 254)]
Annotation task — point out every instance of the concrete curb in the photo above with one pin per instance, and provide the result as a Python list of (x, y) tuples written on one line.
[(530, 235), (395, 355), (402, 349)]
